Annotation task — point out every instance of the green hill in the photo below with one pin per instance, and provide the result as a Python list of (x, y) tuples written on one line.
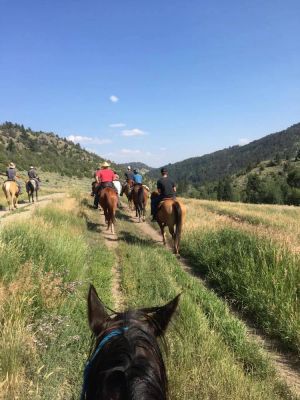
[(46, 151), (212, 167)]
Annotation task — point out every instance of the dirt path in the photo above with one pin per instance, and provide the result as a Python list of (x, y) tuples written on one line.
[(286, 365), (111, 242), (24, 210)]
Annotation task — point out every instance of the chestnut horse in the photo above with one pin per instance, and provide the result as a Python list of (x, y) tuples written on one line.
[(109, 202), (140, 196), (126, 362), (171, 213), (11, 191)]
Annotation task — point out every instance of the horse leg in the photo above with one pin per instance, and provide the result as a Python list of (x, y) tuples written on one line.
[(172, 233), (162, 230)]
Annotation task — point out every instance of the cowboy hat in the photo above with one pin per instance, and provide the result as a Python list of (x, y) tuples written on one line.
[(31, 167), (105, 164), (11, 165)]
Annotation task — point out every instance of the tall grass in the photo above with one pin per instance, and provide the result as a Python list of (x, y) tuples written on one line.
[(261, 277), (210, 355), (45, 268)]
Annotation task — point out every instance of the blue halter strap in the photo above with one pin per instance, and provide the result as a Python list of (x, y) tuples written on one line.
[(89, 364)]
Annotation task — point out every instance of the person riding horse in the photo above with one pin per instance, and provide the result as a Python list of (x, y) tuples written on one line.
[(11, 174), (129, 175), (166, 189), (137, 178), (34, 176), (104, 178)]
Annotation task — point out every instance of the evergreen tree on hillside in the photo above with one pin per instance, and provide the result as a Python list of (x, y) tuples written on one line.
[(293, 178)]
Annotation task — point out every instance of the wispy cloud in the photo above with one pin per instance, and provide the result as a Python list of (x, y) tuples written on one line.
[(243, 141), (130, 151), (118, 125), (86, 139), (133, 132), (114, 99)]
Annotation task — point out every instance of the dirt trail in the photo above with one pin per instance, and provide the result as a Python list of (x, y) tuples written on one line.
[(111, 242), (286, 365), (24, 210)]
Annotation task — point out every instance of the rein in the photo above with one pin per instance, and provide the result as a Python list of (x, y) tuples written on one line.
[(89, 364)]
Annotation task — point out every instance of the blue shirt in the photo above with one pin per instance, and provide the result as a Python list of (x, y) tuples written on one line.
[(137, 178)]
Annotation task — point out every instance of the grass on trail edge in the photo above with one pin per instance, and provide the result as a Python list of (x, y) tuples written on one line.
[(210, 355), (259, 276), (46, 265)]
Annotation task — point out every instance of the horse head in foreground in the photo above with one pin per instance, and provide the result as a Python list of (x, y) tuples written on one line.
[(11, 191), (171, 213), (126, 363)]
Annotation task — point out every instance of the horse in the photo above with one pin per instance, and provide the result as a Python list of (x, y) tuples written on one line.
[(126, 362), (171, 213), (109, 202), (127, 189), (140, 197), (31, 188), (11, 191)]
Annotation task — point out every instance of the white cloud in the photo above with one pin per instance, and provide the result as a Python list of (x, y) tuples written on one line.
[(243, 141), (133, 132), (130, 151), (119, 125), (114, 99), (86, 139)]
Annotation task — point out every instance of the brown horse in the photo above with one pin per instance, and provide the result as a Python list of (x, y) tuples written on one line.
[(109, 202), (11, 191), (127, 189), (126, 361), (171, 213), (140, 196), (31, 188)]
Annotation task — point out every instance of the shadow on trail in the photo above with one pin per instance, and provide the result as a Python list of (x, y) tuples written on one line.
[(93, 226), (130, 238)]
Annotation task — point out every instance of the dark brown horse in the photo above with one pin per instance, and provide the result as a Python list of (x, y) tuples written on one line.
[(127, 189), (171, 213), (31, 188), (109, 202), (126, 362), (140, 196)]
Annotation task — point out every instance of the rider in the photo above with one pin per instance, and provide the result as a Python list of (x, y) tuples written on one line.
[(128, 178), (11, 174), (104, 178), (166, 189), (33, 175), (137, 178)]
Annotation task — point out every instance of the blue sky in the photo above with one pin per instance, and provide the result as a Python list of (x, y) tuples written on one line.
[(154, 81)]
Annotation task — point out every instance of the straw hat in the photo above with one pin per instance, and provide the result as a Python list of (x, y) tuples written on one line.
[(105, 164), (11, 165), (31, 167)]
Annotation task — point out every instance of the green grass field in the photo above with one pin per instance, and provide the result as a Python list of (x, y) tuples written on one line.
[(47, 264)]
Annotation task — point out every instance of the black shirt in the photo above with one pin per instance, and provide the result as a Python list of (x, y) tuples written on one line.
[(129, 175), (32, 174), (166, 185)]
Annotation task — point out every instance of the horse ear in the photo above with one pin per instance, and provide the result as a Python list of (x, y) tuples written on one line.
[(162, 315), (96, 312)]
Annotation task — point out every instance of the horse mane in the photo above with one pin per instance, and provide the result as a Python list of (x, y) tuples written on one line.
[(130, 366)]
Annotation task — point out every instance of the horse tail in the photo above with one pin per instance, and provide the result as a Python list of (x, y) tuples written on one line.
[(178, 222)]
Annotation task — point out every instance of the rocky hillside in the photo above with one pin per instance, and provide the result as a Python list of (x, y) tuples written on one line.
[(46, 151)]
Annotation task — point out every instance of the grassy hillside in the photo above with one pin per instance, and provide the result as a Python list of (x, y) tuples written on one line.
[(46, 151), (214, 166)]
